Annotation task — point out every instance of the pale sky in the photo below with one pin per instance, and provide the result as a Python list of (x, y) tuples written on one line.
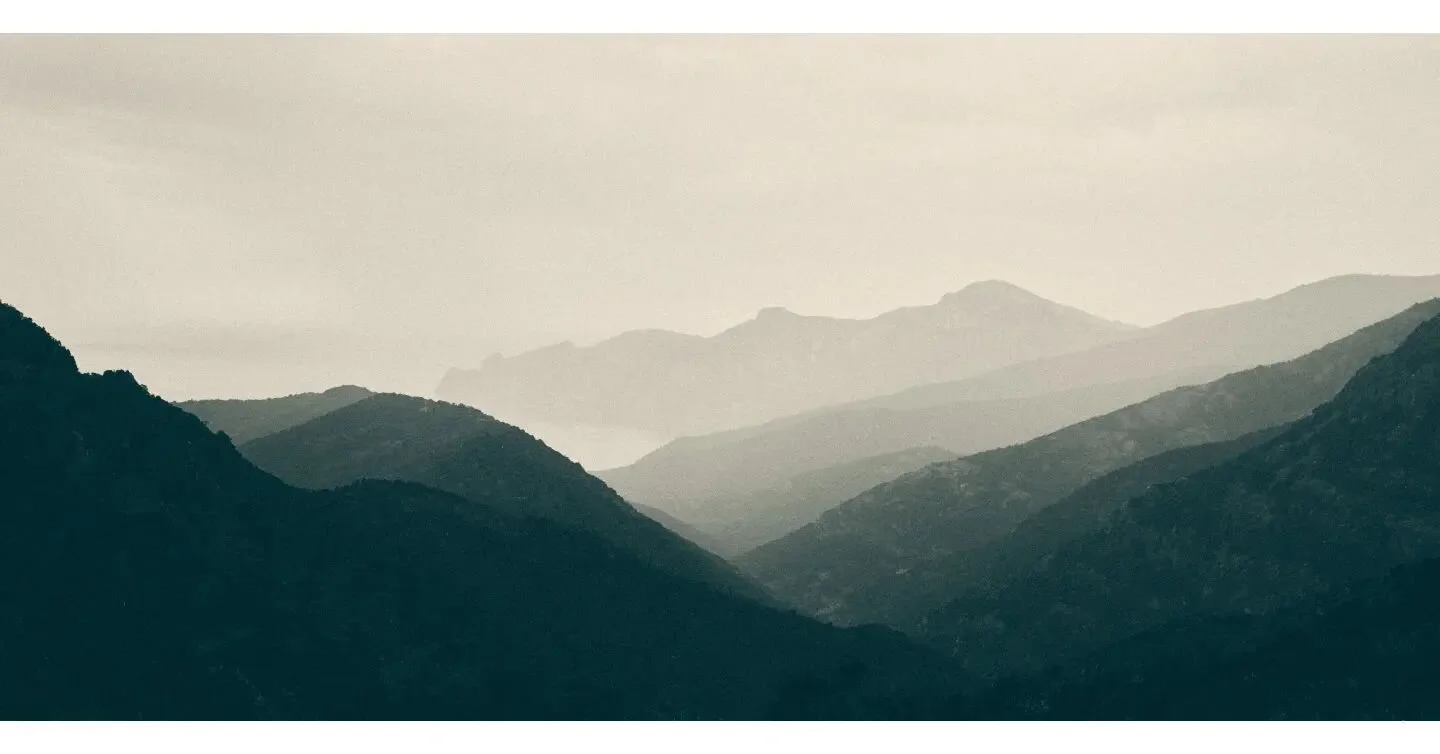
[(372, 209)]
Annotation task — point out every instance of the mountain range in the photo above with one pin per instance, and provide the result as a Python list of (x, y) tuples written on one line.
[(699, 479), (1250, 333), (1260, 543), (775, 364)]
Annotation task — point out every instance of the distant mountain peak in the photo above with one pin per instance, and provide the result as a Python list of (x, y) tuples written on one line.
[(649, 337), (990, 290), (26, 344), (995, 284), (770, 319), (775, 312)]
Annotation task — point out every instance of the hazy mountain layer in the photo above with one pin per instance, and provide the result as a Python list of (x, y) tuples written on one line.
[(1252, 333), (776, 364), (148, 571), (699, 479), (1344, 494), (883, 556), (739, 524), (246, 420)]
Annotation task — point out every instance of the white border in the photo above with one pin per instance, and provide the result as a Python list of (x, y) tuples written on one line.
[(722, 738), (748, 16), (734, 16)]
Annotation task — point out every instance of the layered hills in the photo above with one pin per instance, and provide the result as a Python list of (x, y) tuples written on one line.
[(724, 484), (149, 571), (1222, 557), (893, 553), (697, 479)]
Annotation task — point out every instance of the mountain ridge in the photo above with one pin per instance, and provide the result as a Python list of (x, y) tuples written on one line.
[(773, 364), (1249, 333)]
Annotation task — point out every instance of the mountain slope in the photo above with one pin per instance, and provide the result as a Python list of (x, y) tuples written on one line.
[(462, 451), (774, 365), (698, 478), (738, 524), (148, 571), (881, 557), (1343, 495), (246, 420), (1032, 544)]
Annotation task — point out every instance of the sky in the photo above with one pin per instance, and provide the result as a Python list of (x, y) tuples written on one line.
[(247, 216)]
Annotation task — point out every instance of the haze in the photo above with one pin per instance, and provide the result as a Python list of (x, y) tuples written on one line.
[(248, 216)]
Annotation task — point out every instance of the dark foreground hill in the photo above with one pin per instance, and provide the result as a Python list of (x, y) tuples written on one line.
[(1342, 495), (896, 552), (1367, 651), (460, 450), (148, 571)]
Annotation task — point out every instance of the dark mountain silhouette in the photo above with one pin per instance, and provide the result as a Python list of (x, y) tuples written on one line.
[(719, 482), (148, 571), (28, 351), (246, 420), (463, 451), (776, 364), (1366, 651), (1343, 495), (885, 555)]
